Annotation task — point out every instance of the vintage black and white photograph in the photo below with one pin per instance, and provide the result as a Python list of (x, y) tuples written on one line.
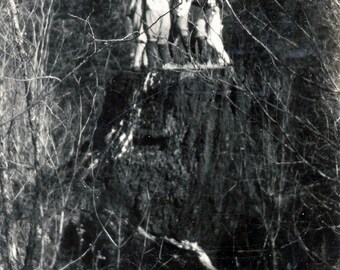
[(169, 134)]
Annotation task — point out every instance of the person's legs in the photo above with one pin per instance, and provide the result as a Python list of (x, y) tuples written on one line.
[(145, 62), (214, 34), (164, 53), (152, 25), (200, 33), (182, 12), (140, 48), (135, 11), (151, 51), (183, 29), (158, 24), (164, 32), (138, 59), (202, 50)]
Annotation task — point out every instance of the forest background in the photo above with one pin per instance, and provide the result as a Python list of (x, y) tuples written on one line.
[(57, 59)]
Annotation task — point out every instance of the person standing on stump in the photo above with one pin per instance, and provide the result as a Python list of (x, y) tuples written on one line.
[(182, 10), (208, 26), (205, 15), (157, 24), (214, 30), (153, 18), (136, 12)]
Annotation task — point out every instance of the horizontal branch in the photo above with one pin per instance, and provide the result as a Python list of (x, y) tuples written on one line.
[(30, 79)]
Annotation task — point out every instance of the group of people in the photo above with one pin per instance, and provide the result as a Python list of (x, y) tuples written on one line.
[(152, 21)]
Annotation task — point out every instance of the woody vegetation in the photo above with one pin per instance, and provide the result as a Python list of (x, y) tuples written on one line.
[(274, 187)]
